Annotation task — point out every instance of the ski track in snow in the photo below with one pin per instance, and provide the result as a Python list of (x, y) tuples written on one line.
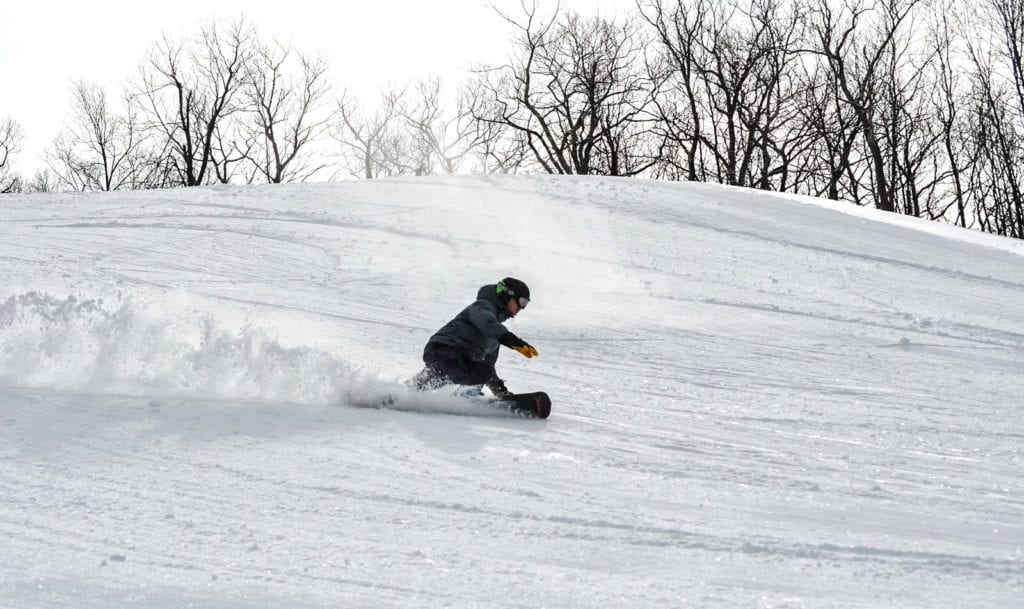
[(757, 402)]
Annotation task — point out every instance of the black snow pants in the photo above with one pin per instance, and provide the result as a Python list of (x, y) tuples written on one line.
[(447, 365)]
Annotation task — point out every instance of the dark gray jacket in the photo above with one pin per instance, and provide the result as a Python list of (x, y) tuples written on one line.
[(476, 329)]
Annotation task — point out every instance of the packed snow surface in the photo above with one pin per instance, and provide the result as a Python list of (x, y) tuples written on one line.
[(758, 401)]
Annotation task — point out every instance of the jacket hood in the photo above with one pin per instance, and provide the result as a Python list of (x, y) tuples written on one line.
[(490, 293)]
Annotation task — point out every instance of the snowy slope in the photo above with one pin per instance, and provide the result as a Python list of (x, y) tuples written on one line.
[(758, 402)]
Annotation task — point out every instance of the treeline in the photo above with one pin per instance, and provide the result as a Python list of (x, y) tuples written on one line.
[(911, 106)]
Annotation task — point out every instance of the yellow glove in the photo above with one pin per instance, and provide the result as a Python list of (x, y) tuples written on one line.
[(514, 342), (526, 350)]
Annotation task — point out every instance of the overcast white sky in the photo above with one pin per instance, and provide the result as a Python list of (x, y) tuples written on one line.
[(45, 45)]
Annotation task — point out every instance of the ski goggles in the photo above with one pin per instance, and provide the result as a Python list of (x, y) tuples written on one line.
[(522, 302)]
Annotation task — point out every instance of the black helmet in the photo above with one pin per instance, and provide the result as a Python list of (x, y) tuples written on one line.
[(511, 287)]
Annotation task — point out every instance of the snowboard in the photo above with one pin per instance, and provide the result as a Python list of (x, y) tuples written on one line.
[(535, 404)]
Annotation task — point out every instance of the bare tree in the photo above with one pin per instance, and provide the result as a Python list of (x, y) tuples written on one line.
[(408, 151), (287, 117), (996, 181), (776, 134), (909, 134), (370, 143), (679, 30), (949, 114), (186, 95), (100, 149), (497, 147), (998, 101), (512, 89), (449, 137), (11, 137), (43, 180), (856, 53), (831, 164), (575, 89)]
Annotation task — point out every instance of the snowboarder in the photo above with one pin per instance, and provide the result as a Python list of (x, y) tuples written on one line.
[(464, 351)]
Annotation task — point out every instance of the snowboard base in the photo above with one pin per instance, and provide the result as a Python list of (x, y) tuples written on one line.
[(535, 404)]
